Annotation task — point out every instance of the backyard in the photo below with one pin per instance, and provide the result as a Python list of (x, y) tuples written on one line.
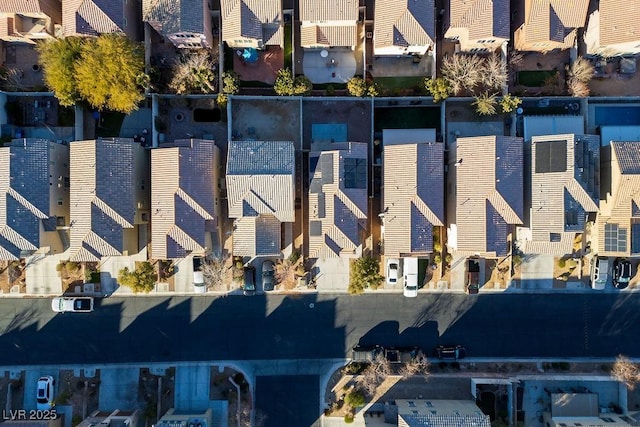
[(406, 118)]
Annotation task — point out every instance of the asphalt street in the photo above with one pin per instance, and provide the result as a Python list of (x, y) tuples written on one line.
[(317, 326)]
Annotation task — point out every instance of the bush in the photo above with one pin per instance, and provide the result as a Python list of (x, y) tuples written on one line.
[(365, 273), (438, 88), (348, 418), (222, 100), (437, 259), (485, 104), (562, 263), (355, 368), (508, 103), (60, 266), (357, 86), (354, 399), (142, 279), (230, 83), (437, 247), (448, 258), (330, 90), (517, 260)]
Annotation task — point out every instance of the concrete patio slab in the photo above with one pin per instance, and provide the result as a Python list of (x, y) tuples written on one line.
[(192, 388), (333, 274), (40, 275), (337, 67), (537, 272)]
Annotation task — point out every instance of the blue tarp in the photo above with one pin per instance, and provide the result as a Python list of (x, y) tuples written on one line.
[(250, 55)]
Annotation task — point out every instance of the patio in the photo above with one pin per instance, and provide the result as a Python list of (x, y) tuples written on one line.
[(329, 65), (264, 69)]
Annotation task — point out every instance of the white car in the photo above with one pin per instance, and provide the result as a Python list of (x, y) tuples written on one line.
[(44, 393), (72, 304), (393, 266)]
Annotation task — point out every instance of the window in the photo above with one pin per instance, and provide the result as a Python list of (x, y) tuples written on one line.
[(433, 412), (411, 404), (415, 412), (60, 201), (124, 20), (429, 404)]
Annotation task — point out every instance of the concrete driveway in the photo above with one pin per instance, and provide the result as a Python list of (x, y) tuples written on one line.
[(31, 384), (192, 387), (118, 388), (537, 272), (40, 275)]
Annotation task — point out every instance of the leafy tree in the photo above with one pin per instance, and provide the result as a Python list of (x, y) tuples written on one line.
[(438, 88), (626, 372), (11, 79), (58, 59), (230, 82), (508, 103), (365, 273), (222, 100), (142, 279), (354, 399), (357, 86), (110, 73), (194, 73), (485, 104), (283, 85), (302, 86)]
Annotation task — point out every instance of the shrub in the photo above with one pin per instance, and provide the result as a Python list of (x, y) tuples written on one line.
[(60, 266), (438, 88), (72, 266), (508, 103), (222, 100), (230, 82), (437, 259), (348, 418), (142, 279), (485, 104), (437, 247), (355, 368), (330, 90), (354, 399), (448, 258), (562, 263), (517, 260), (365, 273)]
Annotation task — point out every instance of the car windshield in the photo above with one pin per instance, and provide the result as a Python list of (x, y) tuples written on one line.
[(42, 400)]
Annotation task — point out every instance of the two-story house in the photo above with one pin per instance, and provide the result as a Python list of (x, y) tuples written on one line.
[(94, 17), (329, 24), (613, 29), (185, 23), (404, 27), (252, 23), (477, 25)]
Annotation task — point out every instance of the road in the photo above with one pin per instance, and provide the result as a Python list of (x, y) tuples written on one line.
[(317, 326)]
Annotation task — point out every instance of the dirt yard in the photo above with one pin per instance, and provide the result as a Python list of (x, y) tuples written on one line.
[(150, 386), (12, 275), (81, 392), (266, 120), (355, 113), (222, 389)]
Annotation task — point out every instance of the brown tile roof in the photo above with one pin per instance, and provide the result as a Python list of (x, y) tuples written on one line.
[(174, 16), (255, 19), (404, 23), (482, 18), (93, 17), (329, 35), (551, 22), (619, 21), (50, 8), (329, 10), (489, 192)]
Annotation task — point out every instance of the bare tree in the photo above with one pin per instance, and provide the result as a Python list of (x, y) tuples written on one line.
[(495, 73), (462, 72), (581, 70), (374, 374), (287, 271), (578, 89), (626, 372), (259, 417), (195, 73), (216, 272), (516, 58), (11, 79), (417, 366)]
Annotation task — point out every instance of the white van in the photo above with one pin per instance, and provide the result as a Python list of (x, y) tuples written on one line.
[(410, 288), (599, 272)]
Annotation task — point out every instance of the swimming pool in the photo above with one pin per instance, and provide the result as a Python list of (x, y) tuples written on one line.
[(610, 115)]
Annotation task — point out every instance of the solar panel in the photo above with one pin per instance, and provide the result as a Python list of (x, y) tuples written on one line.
[(327, 168), (551, 156), (315, 228), (321, 206), (355, 173), (635, 238), (615, 238)]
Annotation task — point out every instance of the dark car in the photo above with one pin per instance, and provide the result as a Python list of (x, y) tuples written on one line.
[(249, 285), (453, 352), (268, 278), (622, 273), (472, 276)]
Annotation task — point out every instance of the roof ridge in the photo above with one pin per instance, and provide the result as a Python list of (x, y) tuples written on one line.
[(504, 208), (193, 204), (183, 239), (578, 192), (426, 211), (108, 210), (27, 204)]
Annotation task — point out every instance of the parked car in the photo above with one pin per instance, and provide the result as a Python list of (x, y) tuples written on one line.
[(249, 285), (622, 273), (366, 353), (472, 276), (199, 286), (44, 393), (393, 266), (72, 304), (599, 272), (410, 285), (268, 276), (454, 352)]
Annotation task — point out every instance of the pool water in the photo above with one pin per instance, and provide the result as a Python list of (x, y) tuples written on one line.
[(617, 115)]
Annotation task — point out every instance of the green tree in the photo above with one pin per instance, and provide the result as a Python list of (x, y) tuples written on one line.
[(58, 59), (357, 86), (302, 86), (438, 88), (485, 104), (230, 82), (194, 73), (142, 279), (365, 273), (284, 83), (110, 73), (354, 399), (508, 103)]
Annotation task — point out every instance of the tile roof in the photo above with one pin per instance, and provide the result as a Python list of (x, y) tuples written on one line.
[(175, 16), (338, 202), (50, 8), (565, 175), (621, 205), (329, 10), (257, 236), (328, 35), (255, 19), (93, 17), (489, 192), (260, 179), (104, 184), (552, 23), (182, 198), (482, 18), (405, 23), (413, 197), (25, 193), (619, 22), (478, 420)]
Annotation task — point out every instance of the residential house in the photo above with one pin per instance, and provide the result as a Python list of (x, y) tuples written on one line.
[(329, 23), (618, 222), (116, 418), (582, 409), (440, 413), (565, 188), (252, 23), (109, 198), (338, 200), (486, 172), (26, 21), (404, 27), (174, 418), (413, 192), (477, 25), (261, 194), (95, 17), (186, 23), (550, 24), (613, 29), (56, 422), (34, 198), (184, 198)]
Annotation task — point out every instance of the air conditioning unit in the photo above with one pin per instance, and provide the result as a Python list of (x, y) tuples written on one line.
[(369, 34)]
